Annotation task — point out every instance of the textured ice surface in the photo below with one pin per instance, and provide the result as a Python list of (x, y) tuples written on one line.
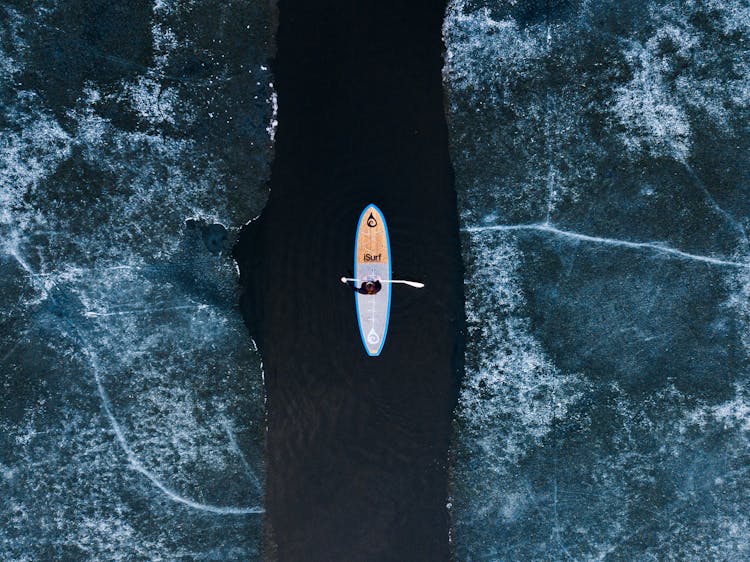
[(135, 140), (601, 151)]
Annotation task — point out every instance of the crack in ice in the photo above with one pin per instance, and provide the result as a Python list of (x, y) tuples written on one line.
[(555, 453), (135, 463), (80, 270), (712, 201), (93, 314), (10, 351), (138, 466), (550, 193), (656, 247), (551, 108), (235, 446)]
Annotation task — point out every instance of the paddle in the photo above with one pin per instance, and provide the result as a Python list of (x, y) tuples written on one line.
[(414, 284)]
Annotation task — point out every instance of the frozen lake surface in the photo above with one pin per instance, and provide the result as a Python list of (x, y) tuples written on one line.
[(601, 152), (135, 142)]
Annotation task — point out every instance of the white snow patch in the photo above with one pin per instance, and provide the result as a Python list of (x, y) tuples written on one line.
[(512, 392), (151, 101), (654, 119), (274, 122), (478, 47), (29, 153), (734, 413)]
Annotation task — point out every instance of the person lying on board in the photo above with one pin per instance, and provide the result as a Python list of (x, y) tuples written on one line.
[(367, 287)]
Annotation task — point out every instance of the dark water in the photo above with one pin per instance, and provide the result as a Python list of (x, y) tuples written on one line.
[(356, 447)]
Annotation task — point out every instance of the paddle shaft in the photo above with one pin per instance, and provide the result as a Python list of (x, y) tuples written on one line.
[(414, 284)]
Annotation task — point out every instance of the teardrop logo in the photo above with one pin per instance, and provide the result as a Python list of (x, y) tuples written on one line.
[(371, 222), (373, 338)]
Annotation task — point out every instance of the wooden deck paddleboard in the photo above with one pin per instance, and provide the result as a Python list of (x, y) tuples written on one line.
[(372, 260)]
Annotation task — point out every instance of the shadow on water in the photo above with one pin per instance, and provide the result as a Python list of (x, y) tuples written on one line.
[(356, 447)]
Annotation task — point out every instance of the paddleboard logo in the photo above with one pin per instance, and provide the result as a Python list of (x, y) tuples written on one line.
[(373, 338), (371, 257), (371, 222)]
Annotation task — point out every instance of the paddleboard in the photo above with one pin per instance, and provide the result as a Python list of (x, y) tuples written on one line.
[(372, 260)]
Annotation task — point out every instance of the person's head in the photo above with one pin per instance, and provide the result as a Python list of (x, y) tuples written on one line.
[(370, 287)]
